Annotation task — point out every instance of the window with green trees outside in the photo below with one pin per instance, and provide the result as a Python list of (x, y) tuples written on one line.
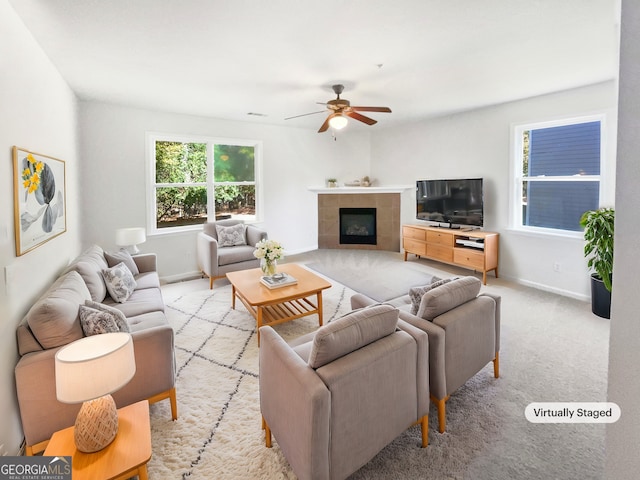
[(196, 181)]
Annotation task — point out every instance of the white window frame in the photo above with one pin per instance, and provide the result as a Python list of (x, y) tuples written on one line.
[(517, 178), (153, 137)]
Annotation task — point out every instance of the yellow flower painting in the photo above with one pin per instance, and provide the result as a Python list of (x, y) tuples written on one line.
[(39, 199)]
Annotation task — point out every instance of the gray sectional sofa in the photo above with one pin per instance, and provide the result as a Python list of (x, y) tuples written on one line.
[(54, 321)]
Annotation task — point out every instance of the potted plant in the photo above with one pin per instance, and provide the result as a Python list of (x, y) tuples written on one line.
[(598, 233), (332, 182)]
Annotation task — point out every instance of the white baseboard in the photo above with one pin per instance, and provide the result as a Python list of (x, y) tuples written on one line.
[(547, 288), (181, 277), (301, 250)]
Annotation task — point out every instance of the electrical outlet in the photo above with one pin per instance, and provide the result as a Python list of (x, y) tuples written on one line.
[(556, 266)]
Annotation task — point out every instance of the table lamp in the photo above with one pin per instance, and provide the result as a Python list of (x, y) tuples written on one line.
[(89, 370), (129, 238)]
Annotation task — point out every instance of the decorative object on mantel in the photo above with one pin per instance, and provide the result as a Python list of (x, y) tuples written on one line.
[(39, 199), (365, 182), (332, 182), (269, 252), (359, 190)]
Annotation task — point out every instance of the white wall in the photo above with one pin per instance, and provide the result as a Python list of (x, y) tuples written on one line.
[(477, 144), (113, 172), (38, 112), (623, 437)]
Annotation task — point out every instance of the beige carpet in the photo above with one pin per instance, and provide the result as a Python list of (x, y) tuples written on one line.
[(553, 349)]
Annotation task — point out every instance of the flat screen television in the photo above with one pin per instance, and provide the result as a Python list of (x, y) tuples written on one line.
[(455, 202)]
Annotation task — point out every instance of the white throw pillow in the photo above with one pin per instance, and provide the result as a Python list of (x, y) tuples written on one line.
[(416, 293), (231, 236), (95, 322), (119, 281), (117, 315)]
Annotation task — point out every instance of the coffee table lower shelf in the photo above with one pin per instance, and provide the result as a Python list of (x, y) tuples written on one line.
[(281, 312)]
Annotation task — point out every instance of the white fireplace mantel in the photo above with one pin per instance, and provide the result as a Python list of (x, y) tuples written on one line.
[(361, 190)]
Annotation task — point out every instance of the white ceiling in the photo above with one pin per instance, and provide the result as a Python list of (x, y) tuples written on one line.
[(421, 58)]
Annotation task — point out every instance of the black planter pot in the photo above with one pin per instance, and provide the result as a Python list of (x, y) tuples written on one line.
[(600, 298)]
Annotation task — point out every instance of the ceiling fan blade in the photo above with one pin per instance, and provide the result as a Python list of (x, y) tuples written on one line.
[(325, 125), (361, 118), (371, 109), (305, 114)]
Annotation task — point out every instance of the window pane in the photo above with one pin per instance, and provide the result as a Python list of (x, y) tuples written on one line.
[(236, 200), (178, 162), (565, 151), (176, 207), (558, 204), (233, 163)]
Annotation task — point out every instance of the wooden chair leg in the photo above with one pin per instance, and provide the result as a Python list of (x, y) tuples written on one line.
[(496, 365), (442, 412), (424, 426), (174, 404), (210, 283), (267, 434)]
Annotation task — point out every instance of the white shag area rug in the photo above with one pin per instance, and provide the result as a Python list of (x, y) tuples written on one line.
[(553, 349), (218, 433)]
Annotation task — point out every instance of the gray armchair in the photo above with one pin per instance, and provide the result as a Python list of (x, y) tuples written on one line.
[(464, 334), (336, 397), (215, 260)]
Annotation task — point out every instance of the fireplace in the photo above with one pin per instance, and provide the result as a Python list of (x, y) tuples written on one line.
[(358, 226)]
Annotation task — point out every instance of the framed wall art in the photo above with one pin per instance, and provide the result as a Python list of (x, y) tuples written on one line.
[(39, 199)]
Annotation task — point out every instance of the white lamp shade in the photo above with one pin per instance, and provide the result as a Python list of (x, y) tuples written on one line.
[(338, 122), (94, 366), (126, 237)]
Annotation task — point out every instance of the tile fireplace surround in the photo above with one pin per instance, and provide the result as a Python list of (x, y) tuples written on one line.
[(386, 201)]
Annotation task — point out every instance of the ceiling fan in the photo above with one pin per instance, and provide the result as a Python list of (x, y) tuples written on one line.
[(340, 109)]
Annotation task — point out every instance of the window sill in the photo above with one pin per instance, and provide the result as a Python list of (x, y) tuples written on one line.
[(543, 233)]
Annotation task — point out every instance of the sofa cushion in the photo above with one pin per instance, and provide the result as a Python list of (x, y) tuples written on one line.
[(53, 319), (147, 321), (147, 280), (351, 332), (121, 256), (442, 299), (243, 253), (231, 236), (416, 293), (140, 302), (89, 265), (120, 282), (118, 317), (96, 322)]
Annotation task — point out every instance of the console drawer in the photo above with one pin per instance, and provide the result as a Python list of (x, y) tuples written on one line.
[(416, 233), (440, 252), (469, 258), (438, 238), (414, 246)]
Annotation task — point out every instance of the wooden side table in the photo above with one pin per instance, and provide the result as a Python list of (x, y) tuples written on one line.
[(123, 458)]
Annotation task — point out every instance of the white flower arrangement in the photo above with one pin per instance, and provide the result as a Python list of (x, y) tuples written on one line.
[(270, 250)]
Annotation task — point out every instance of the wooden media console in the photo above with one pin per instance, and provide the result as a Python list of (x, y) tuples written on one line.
[(475, 249)]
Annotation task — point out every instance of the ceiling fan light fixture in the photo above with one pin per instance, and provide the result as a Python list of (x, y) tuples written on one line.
[(338, 122)]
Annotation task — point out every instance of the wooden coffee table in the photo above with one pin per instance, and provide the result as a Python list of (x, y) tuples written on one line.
[(278, 305), (125, 457)]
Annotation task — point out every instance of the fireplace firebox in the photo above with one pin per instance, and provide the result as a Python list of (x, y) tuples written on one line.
[(358, 226)]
